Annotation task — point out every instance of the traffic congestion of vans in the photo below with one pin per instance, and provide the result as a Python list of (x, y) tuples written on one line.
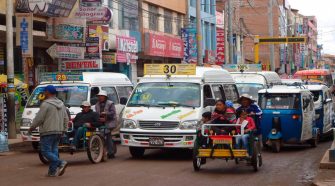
[(166, 108)]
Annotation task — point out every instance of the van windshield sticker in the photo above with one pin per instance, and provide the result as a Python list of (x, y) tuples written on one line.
[(170, 114)]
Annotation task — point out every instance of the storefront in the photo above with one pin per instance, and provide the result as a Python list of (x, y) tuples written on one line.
[(160, 48)]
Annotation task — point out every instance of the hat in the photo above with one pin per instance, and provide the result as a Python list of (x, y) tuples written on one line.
[(102, 93), (85, 104), (246, 96), (51, 89), (229, 103), (230, 111)]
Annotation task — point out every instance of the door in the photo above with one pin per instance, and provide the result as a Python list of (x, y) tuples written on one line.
[(327, 108), (308, 117)]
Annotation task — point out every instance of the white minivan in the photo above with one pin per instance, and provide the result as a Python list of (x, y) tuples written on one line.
[(164, 111), (251, 82), (73, 93)]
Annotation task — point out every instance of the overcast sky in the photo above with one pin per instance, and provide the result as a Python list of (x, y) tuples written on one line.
[(324, 10)]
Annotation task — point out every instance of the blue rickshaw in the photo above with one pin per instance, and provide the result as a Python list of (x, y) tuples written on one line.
[(288, 117)]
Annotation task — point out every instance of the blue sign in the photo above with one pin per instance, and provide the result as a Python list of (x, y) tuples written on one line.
[(189, 36)]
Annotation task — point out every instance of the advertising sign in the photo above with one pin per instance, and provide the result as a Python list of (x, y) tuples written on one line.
[(93, 50), (48, 8), (102, 32), (86, 64), (24, 33), (127, 48), (109, 58), (190, 44), (209, 56), (219, 20), (67, 30), (172, 69), (164, 46), (61, 76), (66, 52), (94, 15), (220, 46), (244, 67)]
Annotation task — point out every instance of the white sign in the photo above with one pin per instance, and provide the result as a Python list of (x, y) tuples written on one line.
[(94, 15), (86, 64), (41, 5), (66, 52)]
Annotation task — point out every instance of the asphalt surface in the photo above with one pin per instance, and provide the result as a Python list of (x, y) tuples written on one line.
[(293, 166)]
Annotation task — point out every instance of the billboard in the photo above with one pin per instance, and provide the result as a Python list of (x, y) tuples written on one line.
[(190, 44), (67, 30)]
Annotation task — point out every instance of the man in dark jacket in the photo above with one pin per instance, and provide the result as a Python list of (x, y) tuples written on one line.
[(86, 118)]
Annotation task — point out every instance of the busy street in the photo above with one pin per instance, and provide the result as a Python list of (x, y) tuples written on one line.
[(293, 166)]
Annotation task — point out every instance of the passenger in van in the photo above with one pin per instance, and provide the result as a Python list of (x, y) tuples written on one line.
[(86, 118), (248, 124)]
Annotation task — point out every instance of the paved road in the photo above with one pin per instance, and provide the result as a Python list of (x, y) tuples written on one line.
[(293, 166)]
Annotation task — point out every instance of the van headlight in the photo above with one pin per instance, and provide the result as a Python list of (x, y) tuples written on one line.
[(25, 122), (192, 124), (129, 124)]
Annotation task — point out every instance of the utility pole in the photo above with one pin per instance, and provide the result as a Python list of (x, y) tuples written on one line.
[(230, 32), (199, 33), (10, 71), (226, 47), (270, 24)]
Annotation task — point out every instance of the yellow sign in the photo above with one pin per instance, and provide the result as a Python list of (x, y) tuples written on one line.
[(171, 69)]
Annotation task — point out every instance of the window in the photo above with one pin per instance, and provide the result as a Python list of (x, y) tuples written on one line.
[(207, 5), (128, 15), (218, 92), (212, 7), (203, 2), (153, 18), (124, 91), (193, 3), (231, 93), (280, 101), (178, 24), (207, 92), (168, 21), (111, 94)]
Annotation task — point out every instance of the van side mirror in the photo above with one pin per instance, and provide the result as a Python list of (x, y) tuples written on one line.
[(209, 102), (123, 100)]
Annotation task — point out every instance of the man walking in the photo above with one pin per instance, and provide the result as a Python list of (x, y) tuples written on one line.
[(106, 109), (52, 120)]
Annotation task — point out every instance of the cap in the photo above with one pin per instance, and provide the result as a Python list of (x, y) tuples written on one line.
[(86, 104), (51, 89), (102, 93), (230, 110), (246, 96)]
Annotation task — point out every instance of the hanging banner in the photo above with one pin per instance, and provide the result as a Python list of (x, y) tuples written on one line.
[(67, 30), (3, 124), (190, 44), (86, 64), (48, 8), (220, 47), (94, 15), (24, 33)]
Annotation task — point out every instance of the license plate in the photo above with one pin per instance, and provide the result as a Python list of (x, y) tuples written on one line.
[(156, 141)]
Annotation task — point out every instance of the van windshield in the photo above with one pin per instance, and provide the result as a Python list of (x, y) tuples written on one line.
[(162, 94), (249, 88), (279, 101), (71, 95)]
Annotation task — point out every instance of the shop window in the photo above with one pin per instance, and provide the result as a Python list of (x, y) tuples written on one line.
[(153, 18), (168, 21)]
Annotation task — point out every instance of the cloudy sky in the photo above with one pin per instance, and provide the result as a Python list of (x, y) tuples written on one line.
[(324, 10)]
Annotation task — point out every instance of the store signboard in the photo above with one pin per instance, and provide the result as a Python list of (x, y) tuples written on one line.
[(109, 58), (48, 8), (102, 32), (67, 30), (24, 33), (163, 46), (190, 45), (94, 15), (66, 52), (127, 49), (220, 46), (86, 64)]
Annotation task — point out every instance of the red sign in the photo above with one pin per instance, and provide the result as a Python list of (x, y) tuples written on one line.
[(127, 48), (164, 46), (83, 64), (209, 56), (220, 46)]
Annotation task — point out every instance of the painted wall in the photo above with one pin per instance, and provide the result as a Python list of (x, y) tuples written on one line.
[(174, 5)]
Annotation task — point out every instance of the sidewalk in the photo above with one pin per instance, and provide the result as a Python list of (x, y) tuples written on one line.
[(14, 144), (326, 173)]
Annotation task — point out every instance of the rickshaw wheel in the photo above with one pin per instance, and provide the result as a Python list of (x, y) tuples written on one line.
[(255, 159), (95, 149), (275, 145), (196, 163)]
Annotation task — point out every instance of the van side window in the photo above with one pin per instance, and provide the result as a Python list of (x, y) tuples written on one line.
[(94, 92), (207, 92), (218, 92), (124, 91), (111, 93), (230, 92)]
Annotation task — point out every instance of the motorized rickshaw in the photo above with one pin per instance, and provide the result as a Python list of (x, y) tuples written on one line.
[(93, 143), (224, 147), (288, 116)]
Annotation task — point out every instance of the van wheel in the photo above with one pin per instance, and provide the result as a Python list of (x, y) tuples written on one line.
[(136, 152), (275, 144)]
